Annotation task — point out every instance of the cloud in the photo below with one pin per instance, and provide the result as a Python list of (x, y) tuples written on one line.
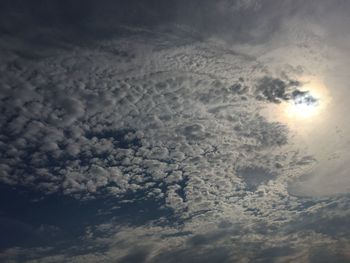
[(276, 90), (145, 244), (326, 180), (159, 125), (102, 130), (167, 116)]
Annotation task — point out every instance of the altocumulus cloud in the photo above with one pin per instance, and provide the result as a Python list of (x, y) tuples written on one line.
[(164, 113)]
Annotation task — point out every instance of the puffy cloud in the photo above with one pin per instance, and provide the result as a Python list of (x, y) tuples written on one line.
[(84, 132), (276, 90), (160, 127), (156, 116)]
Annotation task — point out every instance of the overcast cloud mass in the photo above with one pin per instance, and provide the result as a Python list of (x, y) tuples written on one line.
[(174, 131)]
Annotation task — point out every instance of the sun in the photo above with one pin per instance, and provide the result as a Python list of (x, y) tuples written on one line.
[(306, 107), (303, 105), (308, 103)]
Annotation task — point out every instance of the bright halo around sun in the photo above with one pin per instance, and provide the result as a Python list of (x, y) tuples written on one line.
[(308, 102), (303, 105), (306, 107)]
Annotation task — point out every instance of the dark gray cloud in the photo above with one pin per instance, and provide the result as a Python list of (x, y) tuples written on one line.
[(255, 176), (276, 90), (234, 20)]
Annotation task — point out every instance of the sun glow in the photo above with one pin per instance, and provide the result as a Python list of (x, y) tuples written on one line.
[(306, 107), (308, 103)]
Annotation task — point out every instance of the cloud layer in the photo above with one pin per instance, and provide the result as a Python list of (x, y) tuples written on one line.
[(169, 114)]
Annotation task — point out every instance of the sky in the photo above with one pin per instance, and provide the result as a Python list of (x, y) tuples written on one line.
[(174, 131)]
